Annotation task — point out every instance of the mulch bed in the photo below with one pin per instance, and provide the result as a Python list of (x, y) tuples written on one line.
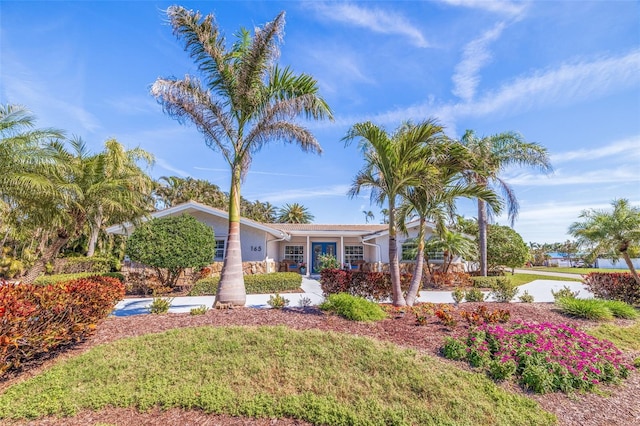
[(612, 405)]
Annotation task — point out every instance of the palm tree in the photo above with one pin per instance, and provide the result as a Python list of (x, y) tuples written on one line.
[(434, 198), (368, 215), (173, 190), (452, 244), (86, 189), (294, 213), (393, 162), (117, 169), (490, 156), (611, 233), (244, 102)]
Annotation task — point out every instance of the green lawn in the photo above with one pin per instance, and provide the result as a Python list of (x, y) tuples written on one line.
[(520, 279), (625, 338), (581, 271), (271, 372)]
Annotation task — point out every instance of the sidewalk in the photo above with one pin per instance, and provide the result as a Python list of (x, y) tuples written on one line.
[(539, 289)]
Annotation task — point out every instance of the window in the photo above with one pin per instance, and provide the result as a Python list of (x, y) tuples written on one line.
[(295, 253), (409, 251), (353, 253), (219, 250), (435, 255)]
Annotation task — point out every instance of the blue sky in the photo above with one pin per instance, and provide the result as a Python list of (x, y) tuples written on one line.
[(564, 74)]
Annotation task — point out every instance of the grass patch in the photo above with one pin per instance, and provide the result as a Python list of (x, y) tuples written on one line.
[(625, 338), (581, 271), (353, 308), (520, 279), (271, 372)]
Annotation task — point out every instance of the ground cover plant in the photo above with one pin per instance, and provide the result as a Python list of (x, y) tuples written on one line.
[(543, 357), (271, 372), (626, 338)]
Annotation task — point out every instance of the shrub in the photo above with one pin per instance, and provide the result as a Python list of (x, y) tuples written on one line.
[(457, 294), (584, 308), (96, 264), (454, 349), (484, 282), (504, 291), (353, 308), (35, 320), (139, 283), (613, 286), (327, 261), (277, 301), (544, 357), (304, 302), (445, 315), (255, 284), (59, 278), (526, 297), (474, 295), (160, 305), (564, 293), (481, 315), (200, 310), (374, 286), (172, 244)]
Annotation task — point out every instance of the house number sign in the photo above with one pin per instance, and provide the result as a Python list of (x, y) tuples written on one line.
[(256, 248)]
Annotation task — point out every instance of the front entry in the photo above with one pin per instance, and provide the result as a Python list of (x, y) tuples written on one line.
[(321, 248)]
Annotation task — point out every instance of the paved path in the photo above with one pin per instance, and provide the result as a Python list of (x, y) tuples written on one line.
[(539, 289)]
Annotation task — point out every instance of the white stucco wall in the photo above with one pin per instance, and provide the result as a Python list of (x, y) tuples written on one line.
[(620, 264)]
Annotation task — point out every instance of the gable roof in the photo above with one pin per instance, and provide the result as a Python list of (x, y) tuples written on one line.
[(193, 206)]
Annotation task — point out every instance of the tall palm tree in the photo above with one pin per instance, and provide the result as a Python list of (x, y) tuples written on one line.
[(294, 213), (84, 192), (611, 233), (433, 199), (393, 162), (491, 155), (244, 102), (174, 190)]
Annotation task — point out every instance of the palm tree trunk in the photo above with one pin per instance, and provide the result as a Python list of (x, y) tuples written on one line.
[(95, 231), (482, 236), (51, 252), (416, 279), (231, 288), (632, 269), (394, 264)]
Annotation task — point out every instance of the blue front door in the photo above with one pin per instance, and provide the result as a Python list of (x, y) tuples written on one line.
[(320, 248)]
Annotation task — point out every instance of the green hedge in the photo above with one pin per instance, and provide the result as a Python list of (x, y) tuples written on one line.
[(76, 265), (485, 282), (255, 284), (54, 279), (353, 308)]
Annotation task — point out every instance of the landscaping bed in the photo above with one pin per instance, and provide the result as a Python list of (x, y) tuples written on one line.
[(612, 405)]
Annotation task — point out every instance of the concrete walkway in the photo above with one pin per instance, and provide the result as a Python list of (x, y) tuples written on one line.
[(539, 289)]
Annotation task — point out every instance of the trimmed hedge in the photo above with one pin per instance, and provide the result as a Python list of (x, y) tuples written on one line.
[(59, 278), (74, 265), (274, 282), (614, 286), (35, 320), (485, 282), (374, 286)]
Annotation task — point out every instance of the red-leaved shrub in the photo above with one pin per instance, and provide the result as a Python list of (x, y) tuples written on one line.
[(370, 285), (450, 279), (35, 320), (613, 286)]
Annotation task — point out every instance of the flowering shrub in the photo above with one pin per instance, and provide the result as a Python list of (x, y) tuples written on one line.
[(374, 286), (38, 319), (544, 357), (613, 286)]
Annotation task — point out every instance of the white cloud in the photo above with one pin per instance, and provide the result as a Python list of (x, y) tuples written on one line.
[(623, 174), (255, 172), (508, 8), (625, 149), (135, 105), (374, 19), (475, 55), (165, 165)]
